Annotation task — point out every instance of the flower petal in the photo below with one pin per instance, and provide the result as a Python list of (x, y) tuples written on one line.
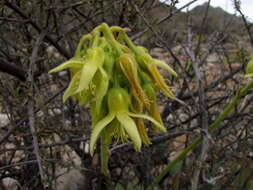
[(157, 124), (72, 86), (72, 63), (129, 67), (164, 66), (88, 72), (97, 130), (102, 84), (142, 131), (84, 97), (131, 128), (94, 59), (159, 81)]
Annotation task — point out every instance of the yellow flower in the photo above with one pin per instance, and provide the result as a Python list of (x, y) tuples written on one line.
[(149, 65), (88, 76), (159, 81), (118, 107), (129, 67)]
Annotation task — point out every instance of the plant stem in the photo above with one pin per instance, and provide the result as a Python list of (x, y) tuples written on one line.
[(198, 141), (129, 42), (104, 155), (108, 34), (81, 43)]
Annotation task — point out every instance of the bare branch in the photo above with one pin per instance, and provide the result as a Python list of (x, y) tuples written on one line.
[(12, 70), (202, 109)]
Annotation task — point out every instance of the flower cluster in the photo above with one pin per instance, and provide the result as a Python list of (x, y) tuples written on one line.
[(119, 80)]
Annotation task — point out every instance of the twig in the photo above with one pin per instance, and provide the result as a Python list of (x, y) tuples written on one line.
[(168, 109), (22, 163), (12, 70), (11, 19), (155, 141), (163, 42), (211, 129), (18, 164), (20, 122), (31, 104), (202, 26), (202, 109), (19, 11), (64, 142)]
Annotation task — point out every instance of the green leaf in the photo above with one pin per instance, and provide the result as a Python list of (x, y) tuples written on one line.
[(131, 128), (177, 168)]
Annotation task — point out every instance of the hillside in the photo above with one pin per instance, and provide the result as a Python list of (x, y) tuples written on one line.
[(217, 20)]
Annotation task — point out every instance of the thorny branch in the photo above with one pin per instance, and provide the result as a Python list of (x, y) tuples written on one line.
[(31, 115), (37, 27), (202, 109)]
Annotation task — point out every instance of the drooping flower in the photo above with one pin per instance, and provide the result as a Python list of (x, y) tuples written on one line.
[(147, 59), (118, 101), (149, 65), (130, 69), (87, 73), (119, 81)]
